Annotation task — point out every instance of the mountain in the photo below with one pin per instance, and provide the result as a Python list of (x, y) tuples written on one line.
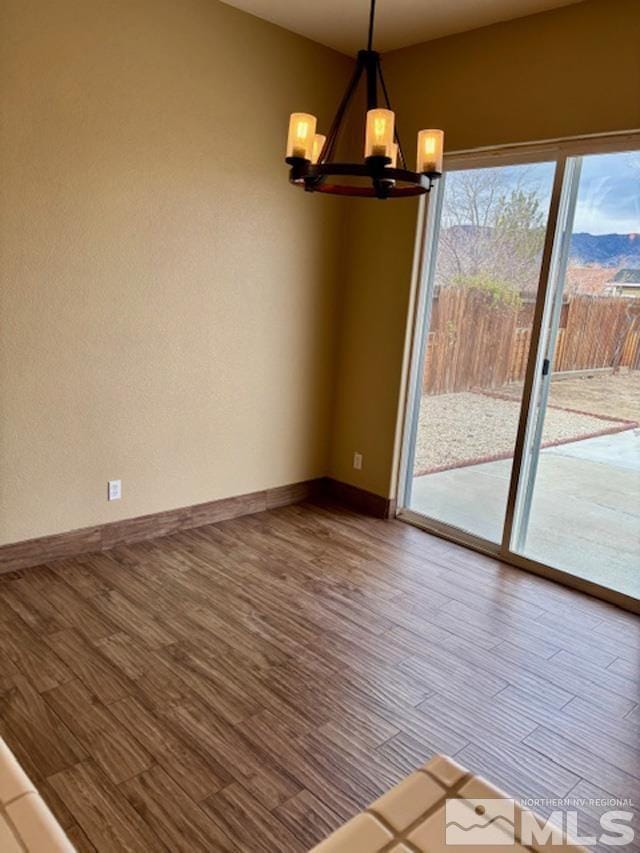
[(606, 250), (598, 250)]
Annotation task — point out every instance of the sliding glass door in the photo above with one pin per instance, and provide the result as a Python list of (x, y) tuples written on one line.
[(487, 253), (579, 506), (522, 433)]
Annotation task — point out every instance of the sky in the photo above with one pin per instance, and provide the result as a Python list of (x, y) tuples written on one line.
[(609, 194)]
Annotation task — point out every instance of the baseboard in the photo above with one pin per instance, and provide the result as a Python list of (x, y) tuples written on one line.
[(74, 543), (361, 500)]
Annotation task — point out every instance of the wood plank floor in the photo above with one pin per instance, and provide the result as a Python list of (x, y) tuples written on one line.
[(250, 684)]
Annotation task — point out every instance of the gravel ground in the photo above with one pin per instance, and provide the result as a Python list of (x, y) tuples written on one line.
[(456, 428)]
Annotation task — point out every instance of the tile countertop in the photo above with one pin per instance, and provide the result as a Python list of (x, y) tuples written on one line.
[(438, 806), (25, 820)]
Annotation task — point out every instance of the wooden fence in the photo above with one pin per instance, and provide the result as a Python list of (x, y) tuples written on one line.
[(475, 342)]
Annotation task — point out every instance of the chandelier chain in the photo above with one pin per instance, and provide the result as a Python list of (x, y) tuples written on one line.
[(372, 15)]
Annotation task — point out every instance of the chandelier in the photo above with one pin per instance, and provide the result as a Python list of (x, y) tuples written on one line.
[(383, 173)]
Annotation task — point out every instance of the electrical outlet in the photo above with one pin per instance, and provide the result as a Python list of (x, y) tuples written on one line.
[(114, 490), (357, 461)]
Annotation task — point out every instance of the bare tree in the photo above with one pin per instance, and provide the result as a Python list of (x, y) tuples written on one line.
[(492, 233)]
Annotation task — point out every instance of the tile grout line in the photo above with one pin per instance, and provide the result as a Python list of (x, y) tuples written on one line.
[(4, 815)]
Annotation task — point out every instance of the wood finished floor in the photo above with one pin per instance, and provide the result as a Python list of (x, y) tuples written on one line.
[(251, 684)]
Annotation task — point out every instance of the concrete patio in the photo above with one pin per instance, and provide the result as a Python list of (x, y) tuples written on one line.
[(585, 515)]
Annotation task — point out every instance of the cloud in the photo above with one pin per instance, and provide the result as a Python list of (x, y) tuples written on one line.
[(609, 194)]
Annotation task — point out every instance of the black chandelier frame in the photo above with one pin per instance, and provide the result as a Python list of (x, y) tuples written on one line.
[(386, 181)]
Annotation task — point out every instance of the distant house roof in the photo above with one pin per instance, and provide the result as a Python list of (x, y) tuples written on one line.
[(628, 276)]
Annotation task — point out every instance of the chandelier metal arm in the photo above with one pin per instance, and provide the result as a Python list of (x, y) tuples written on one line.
[(388, 103), (332, 137)]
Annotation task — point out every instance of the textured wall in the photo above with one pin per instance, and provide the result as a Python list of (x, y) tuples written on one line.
[(571, 71), (168, 303), (172, 313)]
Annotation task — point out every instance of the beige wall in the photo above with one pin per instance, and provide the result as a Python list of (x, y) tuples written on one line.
[(567, 72), (172, 313), (167, 299)]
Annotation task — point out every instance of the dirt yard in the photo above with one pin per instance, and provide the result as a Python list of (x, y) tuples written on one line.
[(613, 395), (457, 428)]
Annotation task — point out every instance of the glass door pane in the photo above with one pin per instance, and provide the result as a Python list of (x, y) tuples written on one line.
[(485, 256), (580, 501)]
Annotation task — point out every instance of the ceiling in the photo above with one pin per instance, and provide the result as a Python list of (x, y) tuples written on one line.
[(342, 24)]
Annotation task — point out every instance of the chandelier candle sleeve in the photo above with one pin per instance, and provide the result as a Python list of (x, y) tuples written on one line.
[(318, 143), (302, 131), (430, 145), (379, 134)]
